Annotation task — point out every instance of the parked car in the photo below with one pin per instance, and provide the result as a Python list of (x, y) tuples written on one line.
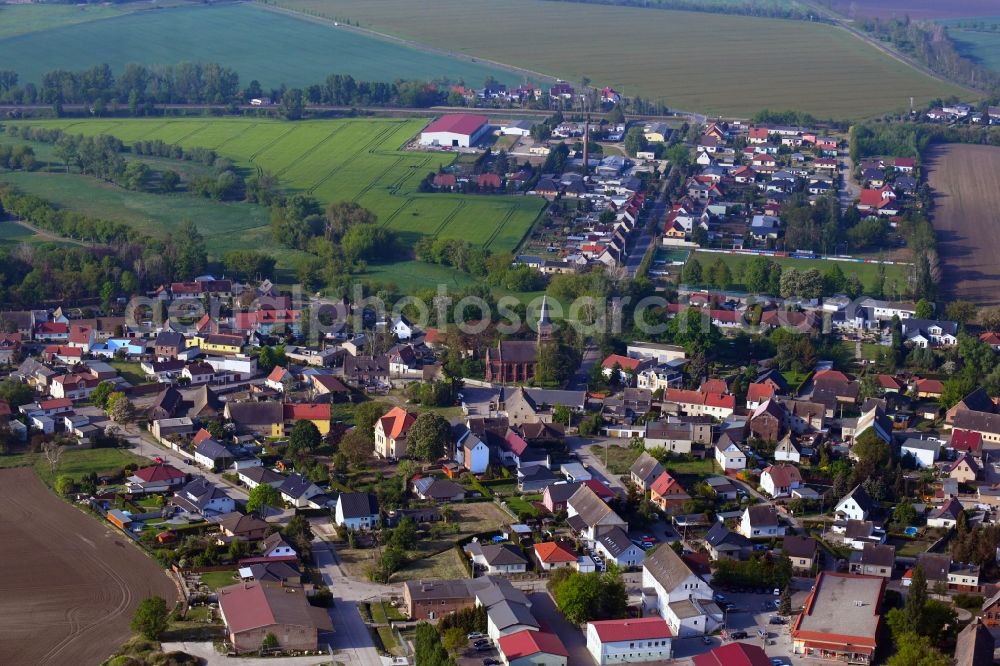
[(475, 635), (719, 598), (776, 620), (777, 592), (706, 640), (490, 661), (737, 635)]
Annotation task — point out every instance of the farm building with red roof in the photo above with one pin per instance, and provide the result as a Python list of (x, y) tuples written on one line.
[(459, 130), (733, 654), (629, 640), (252, 611), (532, 647)]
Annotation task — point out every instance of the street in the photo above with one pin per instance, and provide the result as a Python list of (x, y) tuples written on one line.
[(648, 237)]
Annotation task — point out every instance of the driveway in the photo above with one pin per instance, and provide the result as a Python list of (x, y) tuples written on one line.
[(545, 611), (206, 651), (581, 447)]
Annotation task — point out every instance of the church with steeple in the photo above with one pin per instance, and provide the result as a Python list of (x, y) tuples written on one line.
[(516, 361)]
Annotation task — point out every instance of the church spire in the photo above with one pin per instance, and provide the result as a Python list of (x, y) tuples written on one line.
[(544, 322)]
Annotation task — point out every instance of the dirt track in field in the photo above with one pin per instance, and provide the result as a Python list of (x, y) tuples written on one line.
[(69, 585), (966, 184)]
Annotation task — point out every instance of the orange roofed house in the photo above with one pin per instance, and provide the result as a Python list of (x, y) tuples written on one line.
[(841, 620), (390, 433), (667, 492)]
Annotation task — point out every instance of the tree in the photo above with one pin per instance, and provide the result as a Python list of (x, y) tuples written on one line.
[(65, 484), (366, 415), (169, 180), (916, 598), (635, 141), (404, 535), (591, 596), (915, 650), (924, 309), (785, 608), (872, 451), (453, 639), (692, 273), (428, 437), (100, 394), (342, 215), (356, 447), (15, 393), (961, 311), (53, 454), (292, 104), (305, 436), (269, 643), (150, 619), (262, 498), (121, 410)]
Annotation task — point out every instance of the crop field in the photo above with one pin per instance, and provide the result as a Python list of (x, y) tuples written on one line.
[(71, 583), (688, 60), (259, 44), (915, 9), (333, 160), (23, 19), (895, 275), (966, 184), (980, 46)]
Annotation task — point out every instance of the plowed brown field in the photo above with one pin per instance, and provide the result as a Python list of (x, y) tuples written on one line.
[(70, 585), (966, 184)]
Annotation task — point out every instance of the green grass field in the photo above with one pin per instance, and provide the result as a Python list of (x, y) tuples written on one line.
[(24, 19), (76, 463), (982, 47), (259, 44), (688, 60), (333, 160), (867, 273)]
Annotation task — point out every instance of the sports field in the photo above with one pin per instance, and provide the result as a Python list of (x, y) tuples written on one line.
[(333, 160), (688, 60), (895, 275), (71, 583), (259, 44)]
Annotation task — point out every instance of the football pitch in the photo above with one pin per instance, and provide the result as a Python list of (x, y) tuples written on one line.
[(357, 160)]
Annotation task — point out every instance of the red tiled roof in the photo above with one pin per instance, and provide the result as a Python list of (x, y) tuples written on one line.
[(599, 489), (307, 411), (642, 629), (55, 403), (79, 334), (889, 382), (714, 386), (397, 422), (966, 440), (432, 336), (526, 643), (874, 198), (458, 123), (733, 654), (554, 551), (515, 442), (759, 392), (52, 327), (666, 485), (624, 362), (160, 472), (990, 337), (758, 133), (201, 436), (783, 475), (905, 162), (278, 374), (930, 385)]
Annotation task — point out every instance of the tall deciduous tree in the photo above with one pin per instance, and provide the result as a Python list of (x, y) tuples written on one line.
[(428, 437)]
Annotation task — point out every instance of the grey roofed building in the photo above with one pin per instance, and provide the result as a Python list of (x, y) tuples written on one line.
[(167, 404), (282, 572), (936, 566), (646, 469), (720, 485), (862, 498), (507, 614), (438, 589), (721, 539), (295, 486), (667, 567), (922, 444), (843, 605), (252, 415), (261, 474), (573, 399), (276, 540), (859, 529), (975, 645), (561, 492), (197, 494), (212, 450), (492, 590), (977, 421), (875, 554), (439, 489), (615, 541), (358, 505), (535, 477), (796, 546), (762, 515), (500, 554), (591, 508), (169, 339)]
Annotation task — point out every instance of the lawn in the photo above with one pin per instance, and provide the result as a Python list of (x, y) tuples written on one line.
[(443, 566), (76, 463), (216, 579), (295, 52), (334, 160), (619, 458), (895, 275), (131, 371), (711, 63)]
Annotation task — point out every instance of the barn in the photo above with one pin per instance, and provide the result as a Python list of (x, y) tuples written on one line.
[(460, 130)]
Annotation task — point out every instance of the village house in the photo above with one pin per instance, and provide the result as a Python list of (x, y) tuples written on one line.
[(432, 599), (801, 551), (779, 480), (725, 544), (357, 511), (496, 558), (390, 433), (672, 591), (760, 521), (555, 555), (589, 516), (252, 611), (629, 640), (873, 560)]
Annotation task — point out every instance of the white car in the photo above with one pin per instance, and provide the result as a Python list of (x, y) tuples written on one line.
[(474, 635)]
